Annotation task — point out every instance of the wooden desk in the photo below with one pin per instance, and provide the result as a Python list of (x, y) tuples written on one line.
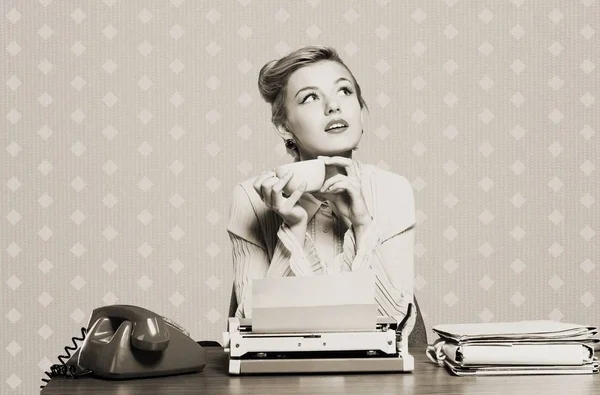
[(426, 379)]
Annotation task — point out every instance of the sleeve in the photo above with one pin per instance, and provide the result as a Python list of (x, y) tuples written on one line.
[(249, 262), (388, 249), (250, 257)]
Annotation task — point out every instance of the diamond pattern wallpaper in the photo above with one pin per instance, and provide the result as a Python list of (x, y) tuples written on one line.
[(126, 124)]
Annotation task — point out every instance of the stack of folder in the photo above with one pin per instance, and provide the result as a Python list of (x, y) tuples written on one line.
[(516, 348)]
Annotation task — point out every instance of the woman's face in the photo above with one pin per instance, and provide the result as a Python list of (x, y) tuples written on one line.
[(323, 111)]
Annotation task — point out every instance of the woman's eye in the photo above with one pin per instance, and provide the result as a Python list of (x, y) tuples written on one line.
[(307, 97), (347, 91)]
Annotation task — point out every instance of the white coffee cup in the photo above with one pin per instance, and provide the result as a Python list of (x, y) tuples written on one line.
[(312, 171)]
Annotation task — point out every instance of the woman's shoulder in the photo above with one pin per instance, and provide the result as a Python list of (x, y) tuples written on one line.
[(246, 184), (386, 180), (248, 214), (392, 197), (243, 191)]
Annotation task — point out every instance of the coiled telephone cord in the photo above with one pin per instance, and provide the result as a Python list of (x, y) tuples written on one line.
[(62, 369)]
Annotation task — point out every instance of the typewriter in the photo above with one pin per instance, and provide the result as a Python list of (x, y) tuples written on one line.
[(382, 349)]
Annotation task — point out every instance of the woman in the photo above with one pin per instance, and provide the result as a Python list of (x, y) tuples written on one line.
[(362, 218)]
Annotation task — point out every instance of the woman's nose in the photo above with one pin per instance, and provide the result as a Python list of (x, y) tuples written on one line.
[(332, 106)]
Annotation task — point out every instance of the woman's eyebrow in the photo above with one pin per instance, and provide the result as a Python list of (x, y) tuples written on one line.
[(305, 88), (315, 88)]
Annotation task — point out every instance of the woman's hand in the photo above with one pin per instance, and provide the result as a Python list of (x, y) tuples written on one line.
[(344, 191), (269, 187)]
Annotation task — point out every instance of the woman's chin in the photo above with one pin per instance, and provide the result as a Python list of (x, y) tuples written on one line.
[(346, 152), (344, 149)]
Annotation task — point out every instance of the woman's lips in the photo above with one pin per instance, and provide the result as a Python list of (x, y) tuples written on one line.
[(336, 130)]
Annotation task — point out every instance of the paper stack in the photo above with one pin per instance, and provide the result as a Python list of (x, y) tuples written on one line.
[(515, 348)]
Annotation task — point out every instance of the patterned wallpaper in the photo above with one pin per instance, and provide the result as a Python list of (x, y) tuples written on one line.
[(125, 125)]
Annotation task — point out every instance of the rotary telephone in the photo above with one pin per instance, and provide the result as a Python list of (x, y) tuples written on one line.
[(127, 342)]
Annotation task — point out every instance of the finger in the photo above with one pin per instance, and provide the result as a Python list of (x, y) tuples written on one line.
[(330, 181), (260, 179), (351, 170), (278, 198), (336, 160), (340, 161), (266, 189), (283, 181), (340, 186), (294, 197)]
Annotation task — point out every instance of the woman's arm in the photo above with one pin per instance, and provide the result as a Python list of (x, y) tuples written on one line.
[(252, 262), (386, 245), (249, 262), (249, 251), (392, 261)]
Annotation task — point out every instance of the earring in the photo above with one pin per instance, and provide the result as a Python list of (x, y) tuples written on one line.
[(290, 144)]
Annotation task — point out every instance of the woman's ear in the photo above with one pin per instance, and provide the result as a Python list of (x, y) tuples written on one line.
[(283, 132)]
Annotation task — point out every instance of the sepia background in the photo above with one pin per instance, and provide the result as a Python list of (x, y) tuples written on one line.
[(126, 124)]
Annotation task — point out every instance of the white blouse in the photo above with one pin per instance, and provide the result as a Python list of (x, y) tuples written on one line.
[(264, 246)]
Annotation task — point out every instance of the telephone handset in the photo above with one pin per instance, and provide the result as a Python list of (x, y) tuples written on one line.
[(125, 342)]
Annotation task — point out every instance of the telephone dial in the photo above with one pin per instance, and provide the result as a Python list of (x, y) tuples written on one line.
[(127, 342)]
